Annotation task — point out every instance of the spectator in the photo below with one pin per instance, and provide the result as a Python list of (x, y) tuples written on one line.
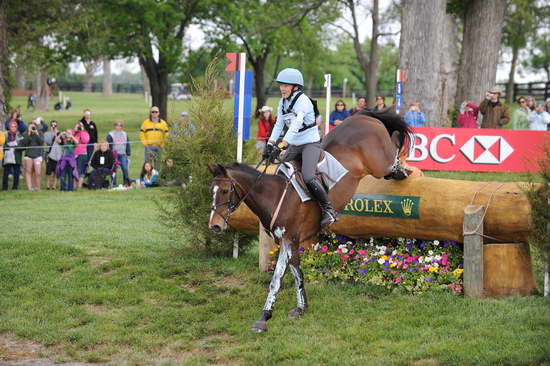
[(66, 169), (414, 117), (265, 125), (12, 156), (15, 116), (82, 138), (531, 104), (2, 142), (41, 124), (467, 116), (183, 126), (495, 114), (118, 141), (547, 105), (53, 154), (68, 104), (539, 119), (339, 114), (361, 103), (102, 162), (169, 175), (33, 141), (148, 177), (380, 104), (91, 128), (31, 102), (519, 115), (152, 134)]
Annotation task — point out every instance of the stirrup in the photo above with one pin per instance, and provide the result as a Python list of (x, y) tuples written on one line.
[(328, 217)]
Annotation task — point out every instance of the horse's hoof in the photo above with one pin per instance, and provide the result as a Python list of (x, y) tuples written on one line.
[(296, 313), (259, 327)]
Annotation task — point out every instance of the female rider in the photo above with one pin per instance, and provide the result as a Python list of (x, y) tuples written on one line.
[(301, 139)]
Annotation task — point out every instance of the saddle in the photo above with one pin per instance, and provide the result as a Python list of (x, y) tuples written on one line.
[(329, 172)]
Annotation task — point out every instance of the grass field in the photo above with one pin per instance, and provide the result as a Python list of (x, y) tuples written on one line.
[(93, 276)]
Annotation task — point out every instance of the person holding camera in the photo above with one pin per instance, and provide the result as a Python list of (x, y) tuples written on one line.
[(495, 114), (91, 128), (66, 169), (15, 116), (81, 152), (53, 154), (12, 157), (33, 142), (414, 117)]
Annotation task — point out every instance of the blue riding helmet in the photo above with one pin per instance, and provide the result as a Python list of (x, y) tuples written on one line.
[(290, 76)]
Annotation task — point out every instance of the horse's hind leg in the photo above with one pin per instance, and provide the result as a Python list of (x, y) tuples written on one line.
[(301, 298), (285, 254)]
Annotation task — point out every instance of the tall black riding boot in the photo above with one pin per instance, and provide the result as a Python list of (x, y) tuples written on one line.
[(328, 215)]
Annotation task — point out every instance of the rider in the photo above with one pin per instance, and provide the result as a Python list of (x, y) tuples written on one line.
[(296, 120)]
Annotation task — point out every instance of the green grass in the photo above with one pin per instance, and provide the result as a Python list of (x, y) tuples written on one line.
[(95, 277)]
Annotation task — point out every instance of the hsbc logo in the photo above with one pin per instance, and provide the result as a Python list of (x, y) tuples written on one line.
[(478, 149)]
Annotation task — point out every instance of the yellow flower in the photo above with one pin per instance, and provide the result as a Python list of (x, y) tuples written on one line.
[(271, 252), (384, 257), (432, 269), (458, 272), (392, 264), (330, 253)]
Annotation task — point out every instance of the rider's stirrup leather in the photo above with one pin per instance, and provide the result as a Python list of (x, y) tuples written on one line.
[(328, 215)]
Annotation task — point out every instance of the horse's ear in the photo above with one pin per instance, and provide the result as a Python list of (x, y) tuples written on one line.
[(216, 169)]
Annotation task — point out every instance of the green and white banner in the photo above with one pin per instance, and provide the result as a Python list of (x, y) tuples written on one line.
[(399, 207)]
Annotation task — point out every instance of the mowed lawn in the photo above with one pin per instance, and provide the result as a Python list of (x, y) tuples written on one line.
[(94, 276)]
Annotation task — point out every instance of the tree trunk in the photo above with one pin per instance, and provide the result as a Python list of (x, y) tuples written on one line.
[(158, 81), (372, 66), (44, 95), (146, 83), (480, 46), (259, 83), (511, 76), (422, 39), (4, 60), (90, 67), (107, 78), (20, 78), (449, 67)]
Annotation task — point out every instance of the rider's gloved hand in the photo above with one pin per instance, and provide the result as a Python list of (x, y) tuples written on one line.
[(275, 151), (267, 151)]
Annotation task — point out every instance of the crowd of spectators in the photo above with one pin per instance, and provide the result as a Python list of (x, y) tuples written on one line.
[(78, 157)]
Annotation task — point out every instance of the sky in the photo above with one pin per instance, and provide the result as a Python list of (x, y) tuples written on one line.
[(195, 38)]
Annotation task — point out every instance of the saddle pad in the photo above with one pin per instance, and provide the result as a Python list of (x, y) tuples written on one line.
[(330, 168)]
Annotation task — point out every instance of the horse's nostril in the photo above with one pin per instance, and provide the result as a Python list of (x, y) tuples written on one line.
[(216, 228)]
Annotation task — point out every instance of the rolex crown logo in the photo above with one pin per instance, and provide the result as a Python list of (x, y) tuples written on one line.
[(407, 205)]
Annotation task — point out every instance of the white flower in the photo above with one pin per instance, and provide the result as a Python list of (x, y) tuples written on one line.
[(436, 265), (437, 257), (371, 240), (383, 247), (430, 252), (381, 261), (421, 260), (436, 242), (428, 259), (344, 250), (316, 246), (401, 240), (394, 252)]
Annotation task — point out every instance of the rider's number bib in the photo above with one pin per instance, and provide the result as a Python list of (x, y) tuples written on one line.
[(288, 118)]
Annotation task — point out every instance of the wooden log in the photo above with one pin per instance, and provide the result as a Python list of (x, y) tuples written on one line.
[(424, 208), (266, 243), (507, 270), (473, 250)]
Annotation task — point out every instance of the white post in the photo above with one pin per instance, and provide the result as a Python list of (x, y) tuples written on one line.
[(327, 108), (344, 88), (242, 70)]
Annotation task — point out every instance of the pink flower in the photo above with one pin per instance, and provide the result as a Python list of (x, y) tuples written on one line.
[(424, 268), (344, 257), (394, 272), (397, 280), (324, 248), (409, 259), (351, 252), (405, 266), (444, 260), (362, 251)]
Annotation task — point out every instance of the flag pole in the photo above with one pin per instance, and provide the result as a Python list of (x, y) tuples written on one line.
[(240, 125), (327, 109)]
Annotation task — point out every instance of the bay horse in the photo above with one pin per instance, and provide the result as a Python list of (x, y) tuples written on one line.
[(365, 143)]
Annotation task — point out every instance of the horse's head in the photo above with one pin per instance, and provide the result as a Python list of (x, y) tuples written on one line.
[(226, 197)]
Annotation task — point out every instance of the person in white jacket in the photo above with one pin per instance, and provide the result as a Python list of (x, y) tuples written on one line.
[(539, 120)]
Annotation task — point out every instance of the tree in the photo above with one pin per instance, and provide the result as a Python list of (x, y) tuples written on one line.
[(483, 22), (264, 33), (4, 61), (152, 31), (521, 16), (90, 68), (540, 56), (107, 77), (424, 33)]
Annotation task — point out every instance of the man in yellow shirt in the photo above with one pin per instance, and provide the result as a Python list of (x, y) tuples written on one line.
[(2, 142), (152, 134)]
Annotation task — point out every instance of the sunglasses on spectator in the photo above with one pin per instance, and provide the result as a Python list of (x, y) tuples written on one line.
[(339, 105), (154, 111)]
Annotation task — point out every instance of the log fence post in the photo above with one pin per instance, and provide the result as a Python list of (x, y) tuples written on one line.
[(473, 250)]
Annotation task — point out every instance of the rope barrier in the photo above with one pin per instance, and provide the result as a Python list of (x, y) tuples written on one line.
[(476, 230)]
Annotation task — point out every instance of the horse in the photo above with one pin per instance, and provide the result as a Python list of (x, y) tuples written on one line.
[(365, 143)]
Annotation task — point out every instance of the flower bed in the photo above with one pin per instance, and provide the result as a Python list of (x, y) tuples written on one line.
[(410, 265)]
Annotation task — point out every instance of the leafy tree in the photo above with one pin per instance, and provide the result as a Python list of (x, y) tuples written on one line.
[(540, 56), (267, 29)]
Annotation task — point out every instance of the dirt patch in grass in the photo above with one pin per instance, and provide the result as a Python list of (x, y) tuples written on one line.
[(205, 348), (230, 282), (14, 349)]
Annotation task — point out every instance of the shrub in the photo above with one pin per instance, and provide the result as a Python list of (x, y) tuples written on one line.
[(208, 138)]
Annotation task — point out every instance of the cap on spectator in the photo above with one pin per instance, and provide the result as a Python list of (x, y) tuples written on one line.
[(495, 90), (266, 108), (183, 114), (155, 109)]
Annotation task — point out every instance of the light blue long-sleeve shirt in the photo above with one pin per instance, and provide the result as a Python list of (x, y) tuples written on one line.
[(304, 116), (415, 119)]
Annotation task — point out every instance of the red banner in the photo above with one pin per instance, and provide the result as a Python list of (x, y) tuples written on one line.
[(477, 150)]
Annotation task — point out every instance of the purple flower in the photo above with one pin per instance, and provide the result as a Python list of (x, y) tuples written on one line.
[(422, 245), (428, 279), (341, 239), (386, 268), (461, 266), (413, 269), (302, 250), (364, 270)]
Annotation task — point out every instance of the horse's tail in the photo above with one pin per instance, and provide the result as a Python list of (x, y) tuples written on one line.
[(393, 122)]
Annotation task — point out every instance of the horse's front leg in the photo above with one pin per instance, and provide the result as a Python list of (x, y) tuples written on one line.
[(285, 254), (301, 298)]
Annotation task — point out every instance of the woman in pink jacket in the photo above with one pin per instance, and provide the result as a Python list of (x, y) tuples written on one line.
[(467, 117), (82, 136)]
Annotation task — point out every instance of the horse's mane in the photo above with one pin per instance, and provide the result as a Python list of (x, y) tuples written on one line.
[(243, 167), (392, 122)]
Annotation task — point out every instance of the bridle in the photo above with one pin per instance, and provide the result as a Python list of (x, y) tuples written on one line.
[(231, 205)]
